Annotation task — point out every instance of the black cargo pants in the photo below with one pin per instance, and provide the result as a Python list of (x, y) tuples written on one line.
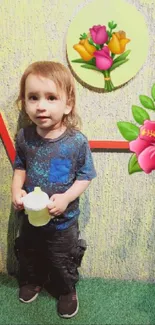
[(44, 253)]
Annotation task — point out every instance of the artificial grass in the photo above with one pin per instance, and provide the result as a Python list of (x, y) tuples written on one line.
[(102, 302)]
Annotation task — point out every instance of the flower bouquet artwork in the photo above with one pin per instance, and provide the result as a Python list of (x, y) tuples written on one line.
[(103, 50), (141, 138)]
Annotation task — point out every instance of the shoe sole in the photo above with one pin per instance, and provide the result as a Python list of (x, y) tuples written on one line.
[(72, 315), (32, 299)]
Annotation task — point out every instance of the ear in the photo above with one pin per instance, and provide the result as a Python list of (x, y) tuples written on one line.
[(67, 109)]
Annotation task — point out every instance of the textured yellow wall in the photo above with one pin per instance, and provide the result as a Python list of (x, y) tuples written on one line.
[(118, 210)]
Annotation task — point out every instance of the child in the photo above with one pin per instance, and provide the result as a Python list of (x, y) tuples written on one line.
[(53, 154)]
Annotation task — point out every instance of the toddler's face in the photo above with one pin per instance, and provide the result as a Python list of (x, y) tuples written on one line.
[(43, 104)]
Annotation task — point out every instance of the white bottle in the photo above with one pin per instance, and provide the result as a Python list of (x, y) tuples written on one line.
[(35, 204)]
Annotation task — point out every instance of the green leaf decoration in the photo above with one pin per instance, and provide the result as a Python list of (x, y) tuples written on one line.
[(117, 64), (133, 165), (83, 36), (128, 130), (91, 62), (122, 56), (110, 24), (90, 67), (147, 102), (109, 34), (78, 61), (90, 41), (114, 26), (140, 114), (153, 92)]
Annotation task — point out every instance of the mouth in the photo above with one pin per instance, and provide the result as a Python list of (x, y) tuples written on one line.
[(43, 117)]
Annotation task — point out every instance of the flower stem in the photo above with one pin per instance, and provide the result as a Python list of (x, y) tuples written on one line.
[(108, 83)]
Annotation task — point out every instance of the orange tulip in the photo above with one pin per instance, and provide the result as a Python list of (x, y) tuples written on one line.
[(85, 49), (118, 42)]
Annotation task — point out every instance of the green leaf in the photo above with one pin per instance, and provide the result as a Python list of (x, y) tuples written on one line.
[(114, 26), (90, 67), (78, 61), (147, 102), (153, 92), (90, 41), (83, 36), (133, 165), (91, 62), (128, 130), (110, 24), (140, 114), (117, 64), (122, 56)]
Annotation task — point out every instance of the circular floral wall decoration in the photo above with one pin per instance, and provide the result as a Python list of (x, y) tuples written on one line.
[(107, 44)]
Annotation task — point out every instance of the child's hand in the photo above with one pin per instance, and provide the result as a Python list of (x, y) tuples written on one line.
[(16, 199), (58, 204)]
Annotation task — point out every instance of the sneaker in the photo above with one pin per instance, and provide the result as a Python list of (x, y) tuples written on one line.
[(68, 305), (29, 292)]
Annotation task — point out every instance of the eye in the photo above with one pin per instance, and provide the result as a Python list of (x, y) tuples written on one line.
[(52, 97), (33, 97)]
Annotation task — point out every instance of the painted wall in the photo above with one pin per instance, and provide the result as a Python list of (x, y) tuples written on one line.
[(118, 210)]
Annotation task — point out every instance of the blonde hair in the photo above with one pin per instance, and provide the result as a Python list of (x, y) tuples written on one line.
[(64, 81)]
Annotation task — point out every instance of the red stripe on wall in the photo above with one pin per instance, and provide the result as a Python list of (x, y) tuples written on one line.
[(113, 145), (8, 143)]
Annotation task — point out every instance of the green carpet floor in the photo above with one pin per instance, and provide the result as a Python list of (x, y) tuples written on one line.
[(102, 302)]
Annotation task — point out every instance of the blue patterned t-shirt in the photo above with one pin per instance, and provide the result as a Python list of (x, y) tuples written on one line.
[(54, 165)]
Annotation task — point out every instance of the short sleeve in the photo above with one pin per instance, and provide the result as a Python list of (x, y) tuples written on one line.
[(20, 160), (85, 165)]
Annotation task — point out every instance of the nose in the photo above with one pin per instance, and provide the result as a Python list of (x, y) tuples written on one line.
[(41, 105)]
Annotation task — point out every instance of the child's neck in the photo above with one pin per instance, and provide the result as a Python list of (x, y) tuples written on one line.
[(51, 134)]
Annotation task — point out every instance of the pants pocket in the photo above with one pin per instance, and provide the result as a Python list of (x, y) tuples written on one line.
[(77, 253)]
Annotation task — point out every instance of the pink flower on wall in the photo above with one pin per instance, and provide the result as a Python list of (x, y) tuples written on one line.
[(99, 34), (98, 49), (144, 146), (103, 59), (141, 139)]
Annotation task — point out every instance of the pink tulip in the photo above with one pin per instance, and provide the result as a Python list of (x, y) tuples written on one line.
[(103, 59), (144, 146), (99, 34)]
